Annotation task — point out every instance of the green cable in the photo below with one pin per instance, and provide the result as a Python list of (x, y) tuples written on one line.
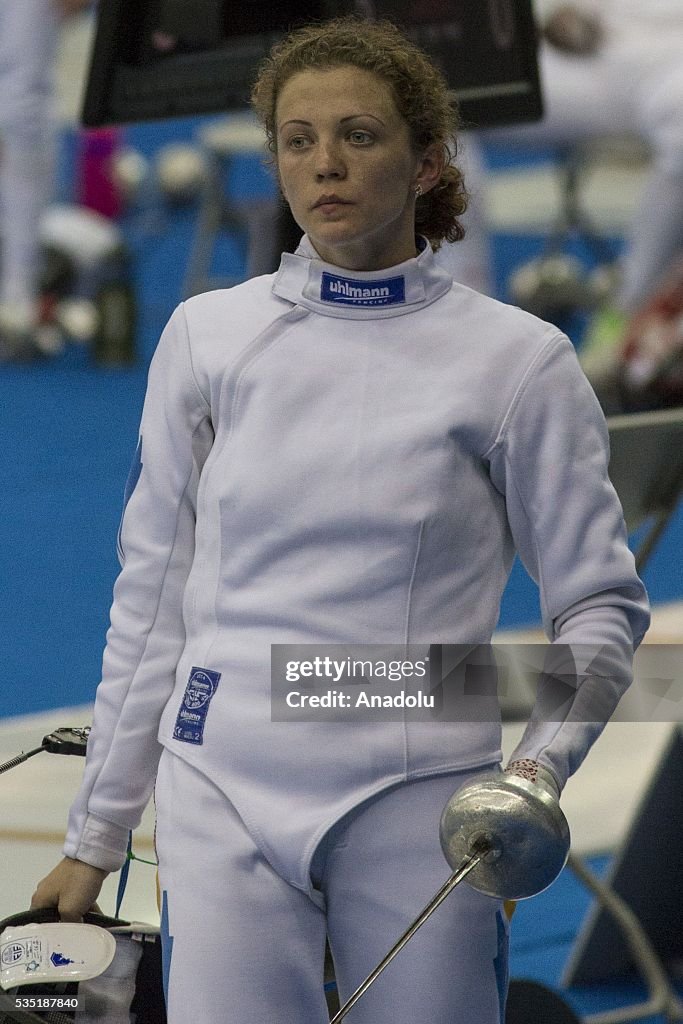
[(132, 856)]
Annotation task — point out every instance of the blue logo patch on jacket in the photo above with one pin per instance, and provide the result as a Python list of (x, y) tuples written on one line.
[(201, 686), (347, 291)]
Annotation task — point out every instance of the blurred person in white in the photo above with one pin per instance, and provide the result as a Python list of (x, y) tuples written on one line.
[(29, 31), (608, 68)]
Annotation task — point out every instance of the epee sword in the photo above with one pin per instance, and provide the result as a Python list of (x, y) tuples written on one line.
[(508, 828)]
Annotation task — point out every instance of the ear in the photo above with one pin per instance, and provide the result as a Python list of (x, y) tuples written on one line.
[(430, 167)]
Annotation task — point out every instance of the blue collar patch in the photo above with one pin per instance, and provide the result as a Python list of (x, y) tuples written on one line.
[(346, 291)]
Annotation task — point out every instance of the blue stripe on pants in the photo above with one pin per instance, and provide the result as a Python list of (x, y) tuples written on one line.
[(166, 944), (501, 964)]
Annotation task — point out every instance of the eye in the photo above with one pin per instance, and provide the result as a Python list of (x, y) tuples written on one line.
[(298, 142), (360, 137)]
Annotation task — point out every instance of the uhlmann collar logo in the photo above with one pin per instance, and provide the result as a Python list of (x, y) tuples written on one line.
[(348, 291)]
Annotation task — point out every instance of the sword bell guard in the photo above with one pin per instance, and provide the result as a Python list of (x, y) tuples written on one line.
[(523, 826)]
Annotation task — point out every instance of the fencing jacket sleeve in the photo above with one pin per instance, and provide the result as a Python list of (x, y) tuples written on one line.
[(146, 634), (560, 443)]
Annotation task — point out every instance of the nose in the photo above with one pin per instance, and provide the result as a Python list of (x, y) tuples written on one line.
[(329, 162)]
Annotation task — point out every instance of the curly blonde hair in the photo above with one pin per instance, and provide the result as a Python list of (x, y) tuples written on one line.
[(420, 92)]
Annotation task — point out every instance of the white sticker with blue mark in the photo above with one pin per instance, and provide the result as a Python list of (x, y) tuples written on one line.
[(201, 686)]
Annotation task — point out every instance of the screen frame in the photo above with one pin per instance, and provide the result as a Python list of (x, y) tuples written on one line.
[(200, 83)]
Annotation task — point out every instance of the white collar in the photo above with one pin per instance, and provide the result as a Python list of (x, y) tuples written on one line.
[(306, 280)]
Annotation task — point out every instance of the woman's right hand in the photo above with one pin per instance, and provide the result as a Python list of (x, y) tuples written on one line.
[(72, 887)]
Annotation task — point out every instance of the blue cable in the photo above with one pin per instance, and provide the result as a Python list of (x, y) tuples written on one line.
[(123, 877)]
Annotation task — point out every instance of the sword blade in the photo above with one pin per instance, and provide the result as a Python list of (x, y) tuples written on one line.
[(468, 864)]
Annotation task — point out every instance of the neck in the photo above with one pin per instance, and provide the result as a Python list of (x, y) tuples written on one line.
[(348, 259)]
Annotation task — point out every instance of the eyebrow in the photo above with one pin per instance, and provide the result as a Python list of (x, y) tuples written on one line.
[(350, 117)]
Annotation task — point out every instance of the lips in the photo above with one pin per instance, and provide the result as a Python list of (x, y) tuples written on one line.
[(330, 201)]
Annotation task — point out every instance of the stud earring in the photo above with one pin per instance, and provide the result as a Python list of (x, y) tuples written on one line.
[(419, 191)]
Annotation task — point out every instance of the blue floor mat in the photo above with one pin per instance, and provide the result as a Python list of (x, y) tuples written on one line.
[(542, 935)]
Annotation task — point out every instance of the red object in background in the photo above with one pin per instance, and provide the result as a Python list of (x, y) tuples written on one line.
[(95, 183), (652, 352)]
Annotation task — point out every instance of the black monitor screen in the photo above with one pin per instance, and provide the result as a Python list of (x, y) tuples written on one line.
[(169, 58)]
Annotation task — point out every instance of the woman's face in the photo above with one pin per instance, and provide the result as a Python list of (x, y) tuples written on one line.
[(347, 168)]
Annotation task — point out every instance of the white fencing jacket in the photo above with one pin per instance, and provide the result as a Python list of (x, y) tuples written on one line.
[(330, 456)]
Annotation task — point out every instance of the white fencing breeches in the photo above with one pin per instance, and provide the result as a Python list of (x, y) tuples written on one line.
[(243, 946)]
